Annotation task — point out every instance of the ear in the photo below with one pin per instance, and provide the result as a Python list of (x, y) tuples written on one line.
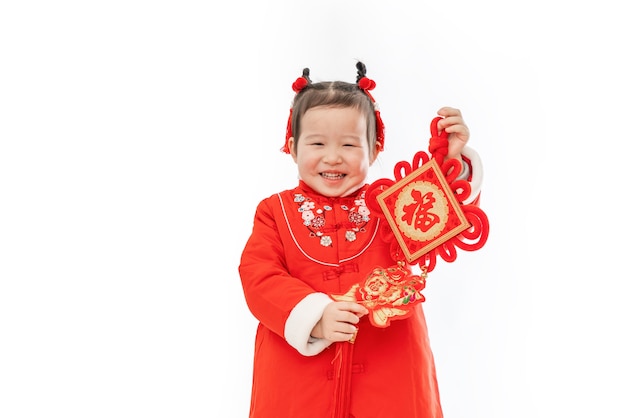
[(291, 145), (378, 147)]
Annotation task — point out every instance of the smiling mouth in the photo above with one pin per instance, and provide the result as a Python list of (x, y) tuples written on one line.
[(332, 176)]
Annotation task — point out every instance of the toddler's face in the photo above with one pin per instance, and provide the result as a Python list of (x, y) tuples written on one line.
[(333, 155)]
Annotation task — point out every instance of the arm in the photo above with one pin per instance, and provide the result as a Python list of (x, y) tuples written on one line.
[(281, 302), (473, 173), (458, 137)]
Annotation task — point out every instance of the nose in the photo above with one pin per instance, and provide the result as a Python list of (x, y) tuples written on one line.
[(333, 156)]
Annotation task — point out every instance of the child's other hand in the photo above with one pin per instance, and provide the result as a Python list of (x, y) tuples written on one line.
[(458, 132), (338, 322)]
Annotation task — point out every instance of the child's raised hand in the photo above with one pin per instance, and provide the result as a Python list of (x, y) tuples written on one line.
[(338, 322), (458, 132)]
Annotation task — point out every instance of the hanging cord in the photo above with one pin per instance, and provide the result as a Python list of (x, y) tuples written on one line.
[(438, 144)]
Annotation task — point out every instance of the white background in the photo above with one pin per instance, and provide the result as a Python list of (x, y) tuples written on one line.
[(136, 139)]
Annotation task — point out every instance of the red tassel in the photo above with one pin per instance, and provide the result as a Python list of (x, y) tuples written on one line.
[(343, 378)]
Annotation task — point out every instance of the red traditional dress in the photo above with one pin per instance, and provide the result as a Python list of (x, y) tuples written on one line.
[(305, 247)]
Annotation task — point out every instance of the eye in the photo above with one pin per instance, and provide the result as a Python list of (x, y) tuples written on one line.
[(314, 143)]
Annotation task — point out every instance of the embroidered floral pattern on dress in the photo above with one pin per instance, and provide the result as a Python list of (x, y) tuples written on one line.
[(314, 218)]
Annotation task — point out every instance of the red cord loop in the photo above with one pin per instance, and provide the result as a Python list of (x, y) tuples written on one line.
[(438, 144)]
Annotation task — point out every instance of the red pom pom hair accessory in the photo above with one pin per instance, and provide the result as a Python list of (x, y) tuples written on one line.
[(300, 84), (367, 84)]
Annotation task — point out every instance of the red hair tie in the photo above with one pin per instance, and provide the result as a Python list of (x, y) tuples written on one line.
[(367, 84), (300, 84)]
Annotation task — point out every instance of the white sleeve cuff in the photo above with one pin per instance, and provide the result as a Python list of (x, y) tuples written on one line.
[(477, 173), (301, 321)]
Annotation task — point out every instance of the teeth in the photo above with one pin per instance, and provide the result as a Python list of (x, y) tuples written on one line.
[(333, 176)]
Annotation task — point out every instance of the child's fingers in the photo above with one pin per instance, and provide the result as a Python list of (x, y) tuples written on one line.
[(458, 129), (352, 307), (450, 121), (349, 317), (448, 111)]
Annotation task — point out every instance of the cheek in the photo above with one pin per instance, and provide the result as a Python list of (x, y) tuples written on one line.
[(366, 163), (307, 161), (359, 158)]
